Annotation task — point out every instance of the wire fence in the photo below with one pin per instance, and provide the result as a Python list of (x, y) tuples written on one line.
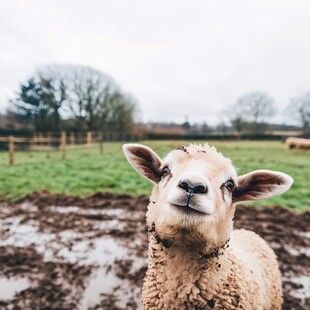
[(24, 149)]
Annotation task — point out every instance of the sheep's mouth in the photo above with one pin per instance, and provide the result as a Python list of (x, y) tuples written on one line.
[(188, 209), (194, 204)]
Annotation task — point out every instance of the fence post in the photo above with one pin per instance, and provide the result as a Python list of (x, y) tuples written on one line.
[(89, 142), (63, 139), (11, 150), (72, 138), (101, 143), (49, 138), (40, 139)]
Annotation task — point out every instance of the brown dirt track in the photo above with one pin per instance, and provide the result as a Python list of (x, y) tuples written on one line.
[(66, 252)]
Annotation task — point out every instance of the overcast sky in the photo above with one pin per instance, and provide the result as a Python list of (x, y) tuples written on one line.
[(176, 57)]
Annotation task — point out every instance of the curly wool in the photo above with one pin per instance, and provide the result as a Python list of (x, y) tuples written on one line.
[(244, 275)]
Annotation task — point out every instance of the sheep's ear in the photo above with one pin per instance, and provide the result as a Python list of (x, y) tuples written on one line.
[(144, 160), (261, 184)]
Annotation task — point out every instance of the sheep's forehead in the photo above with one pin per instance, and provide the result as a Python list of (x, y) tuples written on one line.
[(205, 153)]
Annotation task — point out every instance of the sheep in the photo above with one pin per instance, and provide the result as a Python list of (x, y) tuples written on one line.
[(297, 143), (195, 258)]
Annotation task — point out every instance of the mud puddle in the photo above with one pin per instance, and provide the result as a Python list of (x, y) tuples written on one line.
[(64, 252)]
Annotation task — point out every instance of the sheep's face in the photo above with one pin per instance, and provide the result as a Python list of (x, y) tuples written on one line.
[(195, 190)]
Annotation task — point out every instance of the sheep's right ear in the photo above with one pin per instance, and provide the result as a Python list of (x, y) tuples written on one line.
[(144, 160), (261, 184)]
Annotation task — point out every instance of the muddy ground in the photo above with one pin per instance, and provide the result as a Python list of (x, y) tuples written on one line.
[(63, 252)]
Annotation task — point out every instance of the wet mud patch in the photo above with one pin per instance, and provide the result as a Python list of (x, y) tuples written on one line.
[(66, 252), (48, 283), (288, 233)]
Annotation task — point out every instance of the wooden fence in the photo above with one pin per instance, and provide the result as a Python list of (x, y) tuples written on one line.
[(60, 142)]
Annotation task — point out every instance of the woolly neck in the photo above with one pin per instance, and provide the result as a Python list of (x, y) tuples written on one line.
[(200, 250), (197, 255), (181, 271)]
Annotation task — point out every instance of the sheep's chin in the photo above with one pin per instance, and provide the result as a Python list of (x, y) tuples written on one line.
[(183, 237)]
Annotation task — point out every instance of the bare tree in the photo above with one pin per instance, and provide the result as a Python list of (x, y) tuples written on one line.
[(97, 102), (299, 108), (87, 90), (251, 111)]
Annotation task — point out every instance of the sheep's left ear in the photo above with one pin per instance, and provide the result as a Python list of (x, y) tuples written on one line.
[(261, 184), (144, 160)]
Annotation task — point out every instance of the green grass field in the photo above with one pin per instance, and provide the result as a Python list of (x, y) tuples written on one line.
[(83, 175)]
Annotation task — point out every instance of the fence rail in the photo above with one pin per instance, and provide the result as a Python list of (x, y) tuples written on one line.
[(61, 142)]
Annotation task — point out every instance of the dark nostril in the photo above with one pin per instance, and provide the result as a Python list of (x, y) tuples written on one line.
[(197, 188), (185, 185), (200, 188)]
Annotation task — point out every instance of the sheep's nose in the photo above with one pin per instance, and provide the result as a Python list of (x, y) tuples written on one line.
[(191, 187)]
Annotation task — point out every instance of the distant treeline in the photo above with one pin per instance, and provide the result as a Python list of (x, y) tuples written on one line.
[(78, 99), (67, 97), (222, 137)]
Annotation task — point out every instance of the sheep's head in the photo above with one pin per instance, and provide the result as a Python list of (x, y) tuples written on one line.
[(195, 191)]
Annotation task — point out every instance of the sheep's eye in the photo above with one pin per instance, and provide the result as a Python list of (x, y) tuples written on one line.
[(230, 185), (165, 171)]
